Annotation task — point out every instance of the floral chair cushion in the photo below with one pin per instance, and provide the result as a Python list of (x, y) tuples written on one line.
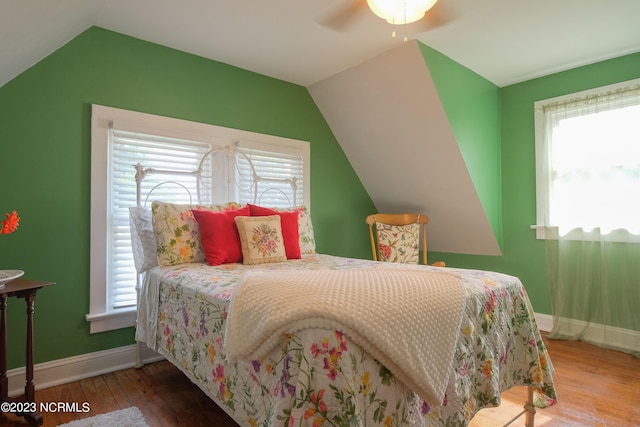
[(398, 243), (261, 239)]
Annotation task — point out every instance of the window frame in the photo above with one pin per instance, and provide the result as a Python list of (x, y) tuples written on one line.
[(101, 316), (543, 230)]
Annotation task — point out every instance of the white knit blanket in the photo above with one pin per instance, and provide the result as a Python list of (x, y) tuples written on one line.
[(407, 319)]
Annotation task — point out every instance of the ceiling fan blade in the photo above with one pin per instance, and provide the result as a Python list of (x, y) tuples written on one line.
[(345, 16), (441, 14)]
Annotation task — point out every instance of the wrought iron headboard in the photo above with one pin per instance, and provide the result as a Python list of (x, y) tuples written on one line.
[(231, 154)]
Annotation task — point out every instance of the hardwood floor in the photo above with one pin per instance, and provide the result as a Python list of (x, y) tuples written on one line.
[(596, 387)]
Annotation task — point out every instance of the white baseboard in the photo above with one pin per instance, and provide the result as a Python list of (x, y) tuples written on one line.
[(607, 336), (544, 321), (62, 371)]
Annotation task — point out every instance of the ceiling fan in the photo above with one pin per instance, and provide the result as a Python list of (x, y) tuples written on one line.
[(422, 15)]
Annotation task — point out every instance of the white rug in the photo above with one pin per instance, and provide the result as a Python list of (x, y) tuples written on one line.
[(129, 417)]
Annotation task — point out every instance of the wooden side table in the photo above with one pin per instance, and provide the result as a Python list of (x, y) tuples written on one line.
[(21, 288)]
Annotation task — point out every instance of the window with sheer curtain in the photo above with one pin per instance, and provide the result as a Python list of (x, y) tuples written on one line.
[(588, 160), (588, 207)]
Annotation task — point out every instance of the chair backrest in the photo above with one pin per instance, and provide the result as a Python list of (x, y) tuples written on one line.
[(397, 237)]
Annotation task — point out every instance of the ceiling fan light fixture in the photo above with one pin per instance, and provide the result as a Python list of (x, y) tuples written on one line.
[(400, 12)]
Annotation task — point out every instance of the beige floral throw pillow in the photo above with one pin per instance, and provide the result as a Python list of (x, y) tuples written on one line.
[(261, 239)]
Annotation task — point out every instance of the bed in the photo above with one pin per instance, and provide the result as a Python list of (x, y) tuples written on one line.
[(304, 341)]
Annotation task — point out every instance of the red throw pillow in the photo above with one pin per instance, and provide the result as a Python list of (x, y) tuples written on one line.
[(289, 224), (219, 235)]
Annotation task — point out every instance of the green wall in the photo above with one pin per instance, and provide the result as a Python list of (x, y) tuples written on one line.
[(523, 254), (472, 105), (45, 165)]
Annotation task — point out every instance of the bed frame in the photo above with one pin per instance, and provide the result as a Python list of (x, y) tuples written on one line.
[(227, 175), (230, 153)]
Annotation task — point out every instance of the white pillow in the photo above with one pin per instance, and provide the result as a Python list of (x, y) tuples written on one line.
[(143, 239)]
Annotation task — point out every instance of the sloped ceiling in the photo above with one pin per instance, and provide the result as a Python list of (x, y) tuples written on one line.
[(390, 122), (505, 41)]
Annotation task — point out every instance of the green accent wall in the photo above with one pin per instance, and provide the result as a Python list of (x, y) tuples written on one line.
[(45, 129), (524, 255), (472, 105)]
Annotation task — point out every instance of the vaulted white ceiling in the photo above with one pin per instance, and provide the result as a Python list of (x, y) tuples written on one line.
[(505, 41)]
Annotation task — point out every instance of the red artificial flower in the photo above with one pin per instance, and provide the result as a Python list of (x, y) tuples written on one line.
[(10, 224)]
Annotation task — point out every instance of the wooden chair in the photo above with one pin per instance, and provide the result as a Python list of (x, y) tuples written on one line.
[(389, 222)]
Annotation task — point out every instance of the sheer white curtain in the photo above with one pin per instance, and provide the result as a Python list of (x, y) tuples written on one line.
[(588, 154)]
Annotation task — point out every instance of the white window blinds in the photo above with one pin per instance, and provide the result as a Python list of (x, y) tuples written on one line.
[(279, 178), (120, 139), (152, 151), (276, 180)]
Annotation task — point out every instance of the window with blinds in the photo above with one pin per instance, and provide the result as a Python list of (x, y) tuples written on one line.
[(121, 139), (267, 178), (152, 151)]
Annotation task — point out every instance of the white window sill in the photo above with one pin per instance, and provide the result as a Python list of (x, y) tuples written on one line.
[(553, 233), (108, 321)]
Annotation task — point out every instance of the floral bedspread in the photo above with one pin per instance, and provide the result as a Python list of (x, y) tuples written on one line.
[(320, 377)]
